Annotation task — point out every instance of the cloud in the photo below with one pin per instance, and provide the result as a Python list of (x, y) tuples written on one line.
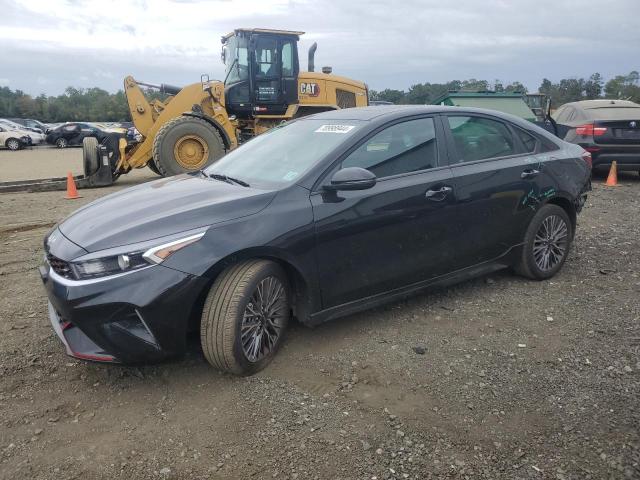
[(84, 43)]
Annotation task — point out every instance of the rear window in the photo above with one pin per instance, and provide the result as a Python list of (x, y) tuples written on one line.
[(614, 113)]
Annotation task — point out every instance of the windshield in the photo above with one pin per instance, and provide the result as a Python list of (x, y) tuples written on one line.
[(282, 155), (236, 60)]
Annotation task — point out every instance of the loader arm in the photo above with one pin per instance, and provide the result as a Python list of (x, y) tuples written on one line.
[(149, 117), (140, 109)]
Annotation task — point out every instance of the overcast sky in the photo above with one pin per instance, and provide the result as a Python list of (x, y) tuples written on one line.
[(47, 45)]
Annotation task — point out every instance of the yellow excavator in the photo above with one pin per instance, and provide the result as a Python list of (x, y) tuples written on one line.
[(196, 125)]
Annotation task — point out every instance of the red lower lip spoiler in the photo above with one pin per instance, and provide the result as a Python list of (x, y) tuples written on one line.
[(58, 328)]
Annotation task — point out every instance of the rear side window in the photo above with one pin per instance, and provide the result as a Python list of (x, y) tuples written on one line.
[(528, 140), (547, 145), (287, 60), (479, 138), (402, 148)]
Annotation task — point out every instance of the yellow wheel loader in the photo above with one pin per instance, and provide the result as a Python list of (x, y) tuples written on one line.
[(196, 125)]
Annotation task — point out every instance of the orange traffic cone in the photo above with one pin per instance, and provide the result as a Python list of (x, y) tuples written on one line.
[(72, 192), (612, 179)]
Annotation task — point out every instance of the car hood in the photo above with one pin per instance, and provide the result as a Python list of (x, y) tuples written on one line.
[(160, 208)]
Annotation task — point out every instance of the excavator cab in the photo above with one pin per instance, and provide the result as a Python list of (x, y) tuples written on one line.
[(261, 71)]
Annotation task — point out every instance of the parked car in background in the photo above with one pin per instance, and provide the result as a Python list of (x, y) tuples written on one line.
[(72, 133), (608, 129), (36, 136), (322, 217), (13, 139), (29, 122)]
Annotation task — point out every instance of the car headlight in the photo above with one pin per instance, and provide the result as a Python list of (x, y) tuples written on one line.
[(128, 258), (101, 267)]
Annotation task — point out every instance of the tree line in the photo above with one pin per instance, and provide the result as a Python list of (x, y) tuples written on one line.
[(75, 104), (95, 104), (566, 90)]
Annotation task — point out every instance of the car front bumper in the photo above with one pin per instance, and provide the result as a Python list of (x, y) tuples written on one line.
[(140, 316)]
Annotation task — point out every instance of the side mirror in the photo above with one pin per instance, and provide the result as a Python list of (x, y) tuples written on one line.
[(352, 178)]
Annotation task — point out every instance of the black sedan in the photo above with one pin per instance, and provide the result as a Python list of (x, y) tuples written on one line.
[(608, 129), (314, 220), (73, 133)]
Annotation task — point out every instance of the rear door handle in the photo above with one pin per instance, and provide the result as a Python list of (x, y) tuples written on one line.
[(529, 173), (439, 194)]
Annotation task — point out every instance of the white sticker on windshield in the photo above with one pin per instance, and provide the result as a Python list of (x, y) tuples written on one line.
[(335, 129), (290, 176)]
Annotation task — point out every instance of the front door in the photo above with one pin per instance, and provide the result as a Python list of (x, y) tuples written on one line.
[(275, 74), (396, 233)]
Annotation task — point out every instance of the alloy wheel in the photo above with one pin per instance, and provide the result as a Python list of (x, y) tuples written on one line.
[(61, 143), (550, 243), (13, 144), (263, 319)]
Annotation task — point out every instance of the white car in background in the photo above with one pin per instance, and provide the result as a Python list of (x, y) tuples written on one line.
[(14, 139), (36, 137)]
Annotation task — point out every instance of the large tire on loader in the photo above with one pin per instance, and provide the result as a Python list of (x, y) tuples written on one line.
[(152, 166), (186, 144), (90, 158)]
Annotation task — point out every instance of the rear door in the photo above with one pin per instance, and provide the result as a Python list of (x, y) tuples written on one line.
[(496, 180), (397, 233)]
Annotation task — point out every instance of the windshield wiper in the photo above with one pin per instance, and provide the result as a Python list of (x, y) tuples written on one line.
[(226, 178)]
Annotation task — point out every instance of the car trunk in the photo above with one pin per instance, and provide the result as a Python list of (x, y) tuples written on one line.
[(619, 132)]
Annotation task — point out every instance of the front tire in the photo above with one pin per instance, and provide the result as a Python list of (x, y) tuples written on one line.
[(245, 316), (62, 143), (13, 144), (546, 243), (186, 144)]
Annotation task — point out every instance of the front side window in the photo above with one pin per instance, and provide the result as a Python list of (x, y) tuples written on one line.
[(479, 138), (402, 148)]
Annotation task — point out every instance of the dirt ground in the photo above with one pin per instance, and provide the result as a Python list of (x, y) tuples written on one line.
[(496, 378)]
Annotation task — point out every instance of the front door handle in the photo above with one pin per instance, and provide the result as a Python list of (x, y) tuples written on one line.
[(529, 173), (439, 194)]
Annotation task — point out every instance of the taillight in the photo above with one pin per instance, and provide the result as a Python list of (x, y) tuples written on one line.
[(590, 130), (586, 156)]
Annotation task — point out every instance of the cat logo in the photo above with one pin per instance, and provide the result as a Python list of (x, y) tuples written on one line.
[(311, 89)]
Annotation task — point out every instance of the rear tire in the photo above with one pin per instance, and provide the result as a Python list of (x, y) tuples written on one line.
[(240, 331), (90, 157), (62, 143), (13, 144), (546, 243), (186, 144)]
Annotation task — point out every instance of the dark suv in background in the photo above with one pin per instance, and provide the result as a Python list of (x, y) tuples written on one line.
[(608, 129)]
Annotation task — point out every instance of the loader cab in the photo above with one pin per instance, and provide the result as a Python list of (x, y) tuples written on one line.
[(261, 71)]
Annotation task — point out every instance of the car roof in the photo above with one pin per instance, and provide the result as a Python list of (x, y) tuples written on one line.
[(384, 113), (602, 103)]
